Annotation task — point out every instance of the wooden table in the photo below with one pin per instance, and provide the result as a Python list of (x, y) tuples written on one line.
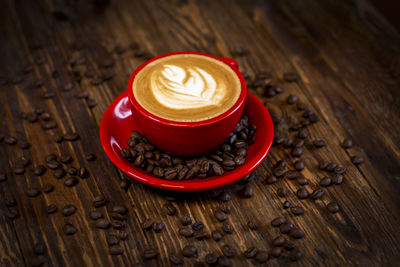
[(345, 54)]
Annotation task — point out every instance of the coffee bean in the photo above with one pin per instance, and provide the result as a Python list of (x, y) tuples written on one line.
[(83, 173), (102, 223), (220, 215), (200, 235), (147, 224), (158, 171), (72, 171), (278, 221), (279, 241), (71, 136), (262, 256), (296, 233), (313, 118), (53, 164), (69, 229), (39, 170), (117, 216), (217, 170), (331, 166), (323, 165), (337, 179), (299, 165), (326, 181), (39, 248), (150, 254), (340, 170), (292, 99), (3, 177), (176, 259), (279, 172), (12, 213), (275, 112), (90, 157), (112, 240), (158, 226), (49, 125), (251, 252), (302, 193), (51, 208), (71, 181), (317, 194), (319, 143), (38, 261), (286, 204), (95, 215), (32, 192), (297, 210), (19, 170), (227, 227), (186, 232), (299, 143), (198, 226), (216, 235), (347, 143), (186, 220), (169, 209), (276, 252), (116, 250), (99, 201), (225, 207), (68, 210), (282, 191), (303, 133), (357, 160), (248, 191), (59, 173), (10, 140), (297, 152), (120, 209), (224, 197), (333, 207), (289, 245), (65, 159), (302, 180), (189, 251), (295, 255), (307, 113), (286, 227), (224, 261), (228, 251), (211, 258)]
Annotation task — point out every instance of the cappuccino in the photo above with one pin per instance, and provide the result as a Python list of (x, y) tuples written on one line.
[(186, 87)]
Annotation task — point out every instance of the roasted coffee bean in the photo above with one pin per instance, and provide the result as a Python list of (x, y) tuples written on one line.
[(169, 209), (71, 181), (83, 173), (299, 165), (217, 169), (297, 152), (147, 224), (297, 210), (279, 172), (95, 215), (225, 207), (3, 177), (120, 209), (302, 180), (99, 201), (323, 165), (313, 118), (198, 226), (158, 226), (65, 159), (59, 173), (53, 164), (282, 191), (280, 164), (19, 170), (200, 235), (39, 248), (9, 140), (262, 256), (186, 220), (32, 192), (296, 233), (317, 194), (51, 208), (224, 261), (117, 216), (124, 185), (250, 252), (216, 235), (170, 173), (211, 258), (186, 232), (319, 143), (90, 157), (157, 171), (279, 241), (307, 113), (278, 221), (227, 227), (292, 99), (295, 255), (224, 197), (288, 143), (45, 116), (68, 210), (302, 193), (91, 102), (176, 259), (271, 179), (220, 215), (228, 251), (248, 191), (276, 252), (347, 143), (72, 171), (357, 160), (150, 254), (49, 125), (126, 153), (69, 229), (102, 223), (299, 143), (189, 251), (337, 179), (12, 213), (331, 166), (340, 170), (303, 133), (117, 224), (289, 245), (286, 204), (285, 227), (333, 207), (71, 136), (326, 181), (116, 250)]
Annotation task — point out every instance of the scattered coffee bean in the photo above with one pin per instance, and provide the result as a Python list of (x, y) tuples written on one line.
[(198, 226), (319, 143), (147, 224), (95, 215), (286, 204), (216, 235), (299, 143), (19, 170), (32, 117), (112, 240), (290, 77), (189, 251), (302, 193), (289, 245), (99, 201), (220, 215), (32, 192), (296, 233), (347, 143), (331, 166), (83, 173), (303, 133), (169, 209), (279, 241), (68, 210), (301, 180), (211, 258), (90, 157), (250, 252), (12, 213), (340, 170), (248, 191), (262, 256), (276, 252), (69, 229), (278, 221), (71, 181), (297, 210), (292, 99), (71, 136), (357, 160), (317, 194), (158, 226), (39, 170), (337, 179), (326, 181), (279, 172), (150, 254), (53, 164), (224, 261), (295, 255), (225, 207), (323, 165), (186, 232), (176, 259), (65, 159), (297, 152), (9, 140), (200, 235), (228, 251), (271, 179), (116, 250), (102, 223), (59, 173), (51, 208), (333, 207), (224, 196), (253, 225), (186, 220), (286, 227), (120, 209), (299, 165), (72, 171), (49, 125), (282, 191)]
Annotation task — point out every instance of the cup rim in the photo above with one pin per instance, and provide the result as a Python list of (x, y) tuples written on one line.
[(241, 100)]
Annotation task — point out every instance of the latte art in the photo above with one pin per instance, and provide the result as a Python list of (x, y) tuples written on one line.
[(186, 87)]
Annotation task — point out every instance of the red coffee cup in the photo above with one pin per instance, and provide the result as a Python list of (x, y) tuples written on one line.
[(188, 138)]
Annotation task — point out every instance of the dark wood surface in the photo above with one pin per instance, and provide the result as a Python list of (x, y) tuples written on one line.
[(346, 55)]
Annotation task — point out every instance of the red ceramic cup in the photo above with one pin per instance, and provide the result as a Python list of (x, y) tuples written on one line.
[(188, 138)]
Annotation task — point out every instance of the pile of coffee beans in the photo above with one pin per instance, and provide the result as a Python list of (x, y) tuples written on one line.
[(229, 155)]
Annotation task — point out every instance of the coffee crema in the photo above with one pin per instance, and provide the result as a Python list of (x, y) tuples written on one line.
[(186, 87)]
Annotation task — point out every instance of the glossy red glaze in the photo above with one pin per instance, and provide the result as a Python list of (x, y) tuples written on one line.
[(188, 138), (118, 122)]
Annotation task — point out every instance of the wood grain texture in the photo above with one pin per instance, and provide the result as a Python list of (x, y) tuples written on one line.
[(347, 58)]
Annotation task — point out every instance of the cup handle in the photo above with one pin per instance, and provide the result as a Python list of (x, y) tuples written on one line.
[(230, 62)]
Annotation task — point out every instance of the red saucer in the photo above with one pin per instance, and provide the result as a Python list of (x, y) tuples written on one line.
[(118, 122)]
